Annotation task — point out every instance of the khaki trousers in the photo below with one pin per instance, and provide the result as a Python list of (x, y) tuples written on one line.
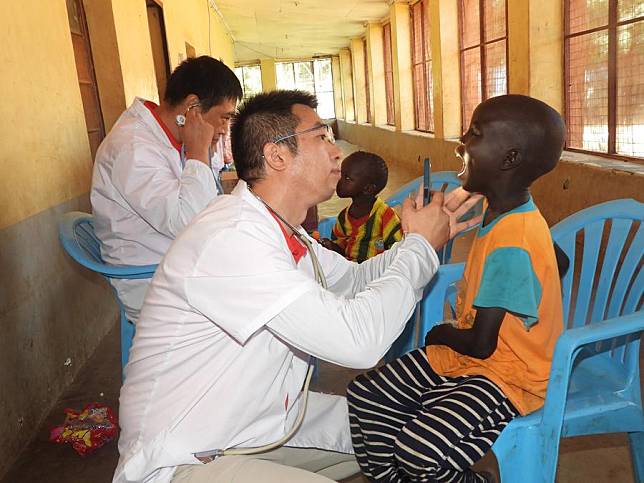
[(283, 465)]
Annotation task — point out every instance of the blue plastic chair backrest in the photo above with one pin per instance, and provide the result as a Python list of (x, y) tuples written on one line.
[(605, 245), (76, 234)]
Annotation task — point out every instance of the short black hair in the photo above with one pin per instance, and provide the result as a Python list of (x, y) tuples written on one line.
[(209, 79), (262, 119), (373, 166)]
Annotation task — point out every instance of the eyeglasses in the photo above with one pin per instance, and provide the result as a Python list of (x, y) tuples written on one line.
[(328, 134)]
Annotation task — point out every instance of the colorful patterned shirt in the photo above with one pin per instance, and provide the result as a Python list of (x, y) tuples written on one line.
[(511, 265), (368, 236)]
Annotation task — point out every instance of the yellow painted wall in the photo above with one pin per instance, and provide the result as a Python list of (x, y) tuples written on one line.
[(377, 92), (546, 52), (188, 21), (359, 89), (44, 147), (135, 50), (269, 78), (107, 66), (401, 52), (518, 47), (443, 19), (347, 85), (337, 87)]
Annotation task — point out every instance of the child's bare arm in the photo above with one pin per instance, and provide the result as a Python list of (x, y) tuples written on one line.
[(479, 341), (331, 245)]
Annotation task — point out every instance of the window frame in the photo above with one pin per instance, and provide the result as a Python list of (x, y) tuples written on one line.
[(389, 75), (611, 62), (426, 62), (241, 81), (313, 70), (483, 42), (365, 51)]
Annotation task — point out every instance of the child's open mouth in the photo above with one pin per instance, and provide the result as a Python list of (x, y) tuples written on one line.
[(464, 156)]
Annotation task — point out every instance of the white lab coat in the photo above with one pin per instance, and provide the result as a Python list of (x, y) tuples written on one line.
[(142, 196), (221, 348)]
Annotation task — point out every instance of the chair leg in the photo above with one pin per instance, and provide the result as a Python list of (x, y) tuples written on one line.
[(637, 454)]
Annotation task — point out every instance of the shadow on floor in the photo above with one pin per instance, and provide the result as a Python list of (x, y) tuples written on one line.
[(591, 458)]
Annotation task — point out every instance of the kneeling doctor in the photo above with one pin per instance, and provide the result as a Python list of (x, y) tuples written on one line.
[(244, 297)]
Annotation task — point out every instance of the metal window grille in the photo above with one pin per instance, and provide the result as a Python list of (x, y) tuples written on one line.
[(421, 68), (483, 47), (604, 77)]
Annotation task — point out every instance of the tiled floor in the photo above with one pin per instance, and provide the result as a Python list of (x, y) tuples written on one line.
[(587, 459)]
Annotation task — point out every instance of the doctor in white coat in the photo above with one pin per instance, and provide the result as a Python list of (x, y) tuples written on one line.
[(239, 304), (159, 166)]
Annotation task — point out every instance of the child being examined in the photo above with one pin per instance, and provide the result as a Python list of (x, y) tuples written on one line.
[(431, 414)]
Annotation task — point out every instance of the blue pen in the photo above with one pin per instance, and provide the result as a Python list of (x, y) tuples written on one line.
[(427, 181)]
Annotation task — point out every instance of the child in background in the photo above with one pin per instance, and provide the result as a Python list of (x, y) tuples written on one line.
[(368, 226), (431, 414)]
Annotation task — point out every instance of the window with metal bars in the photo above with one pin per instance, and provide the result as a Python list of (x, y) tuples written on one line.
[(421, 59), (314, 76), (483, 47), (250, 77), (366, 78), (604, 76), (389, 73)]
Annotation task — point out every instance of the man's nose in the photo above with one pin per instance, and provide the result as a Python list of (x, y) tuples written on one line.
[(335, 152)]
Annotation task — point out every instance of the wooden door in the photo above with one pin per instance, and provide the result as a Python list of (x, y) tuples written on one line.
[(159, 45), (86, 75)]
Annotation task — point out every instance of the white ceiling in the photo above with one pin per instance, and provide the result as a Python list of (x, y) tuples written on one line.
[(285, 29)]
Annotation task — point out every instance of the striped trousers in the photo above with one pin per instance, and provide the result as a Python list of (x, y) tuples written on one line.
[(408, 424)]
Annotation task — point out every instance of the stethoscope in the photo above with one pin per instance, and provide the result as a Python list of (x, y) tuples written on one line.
[(319, 278)]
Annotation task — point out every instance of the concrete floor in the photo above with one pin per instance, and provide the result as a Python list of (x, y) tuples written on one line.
[(584, 459)]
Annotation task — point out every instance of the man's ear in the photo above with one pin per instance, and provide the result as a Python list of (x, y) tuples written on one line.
[(190, 100), (273, 157), (511, 160)]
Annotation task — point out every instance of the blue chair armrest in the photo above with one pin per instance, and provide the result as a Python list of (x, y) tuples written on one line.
[(568, 346), (574, 338)]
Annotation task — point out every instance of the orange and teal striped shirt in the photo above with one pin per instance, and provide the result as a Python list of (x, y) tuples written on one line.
[(368, 236)]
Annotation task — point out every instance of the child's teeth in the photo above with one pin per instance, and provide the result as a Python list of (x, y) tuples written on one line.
[(466, 160)]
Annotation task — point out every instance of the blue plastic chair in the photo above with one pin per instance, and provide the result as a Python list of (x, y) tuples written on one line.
[(594, 383), (441, 181), (76, 233)]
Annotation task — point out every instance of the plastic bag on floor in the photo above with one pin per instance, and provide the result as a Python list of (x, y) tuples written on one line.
[(86, 430)]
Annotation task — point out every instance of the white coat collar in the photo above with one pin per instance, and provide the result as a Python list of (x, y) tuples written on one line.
[(139, 110)]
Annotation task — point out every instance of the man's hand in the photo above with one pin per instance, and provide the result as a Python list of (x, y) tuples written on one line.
[(457, 203), (431, 221), (197, 136)]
